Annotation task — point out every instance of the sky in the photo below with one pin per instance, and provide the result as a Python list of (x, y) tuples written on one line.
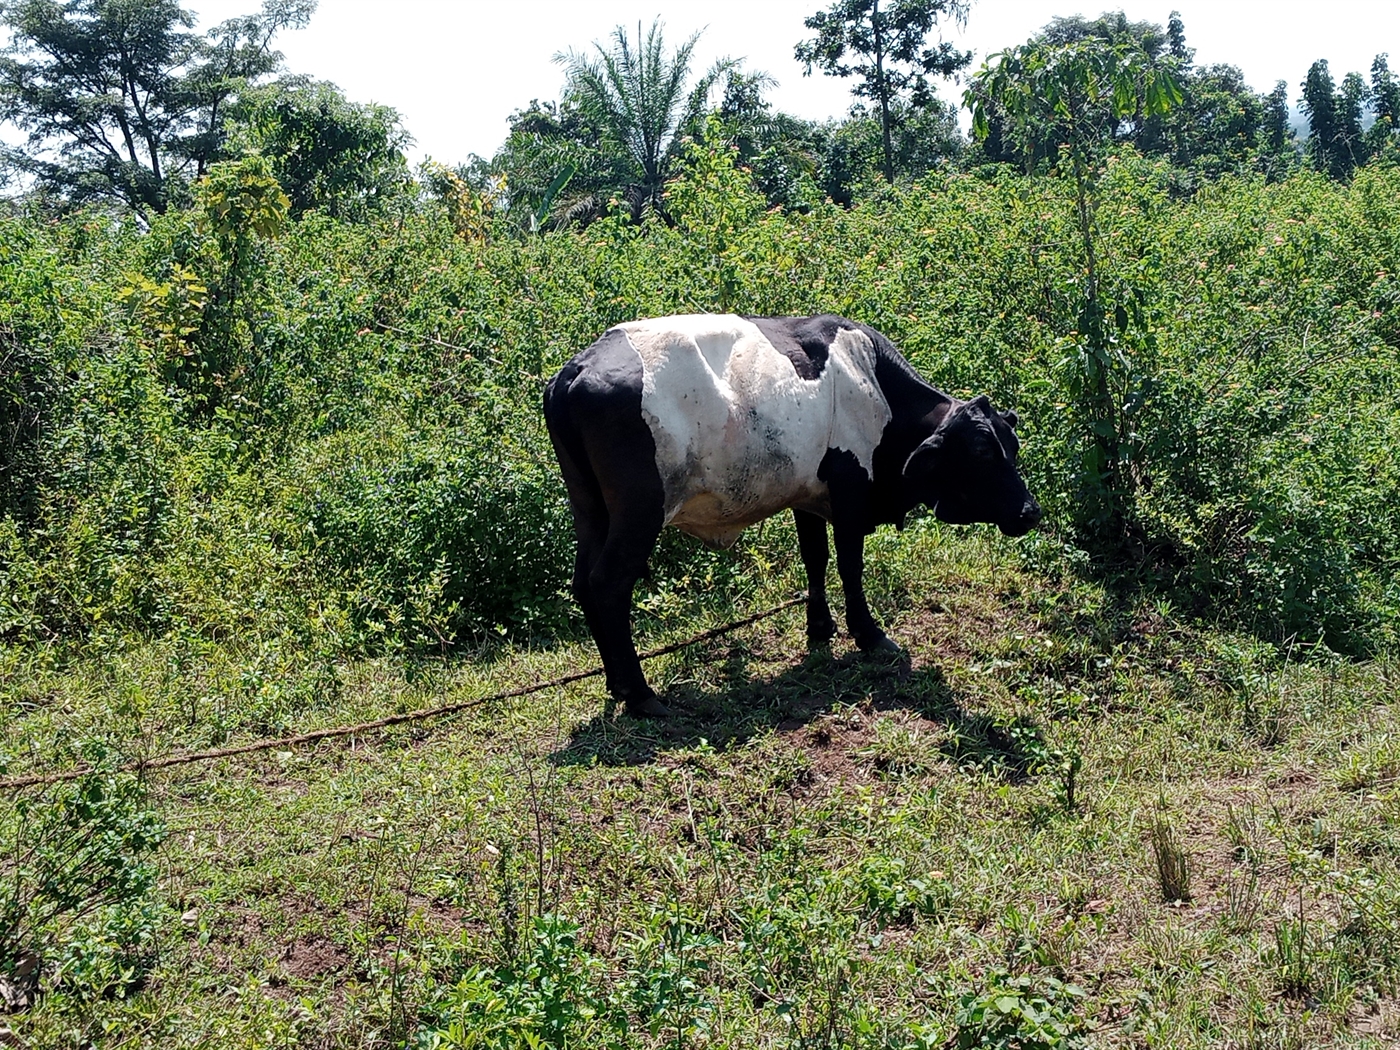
[(456, 69)]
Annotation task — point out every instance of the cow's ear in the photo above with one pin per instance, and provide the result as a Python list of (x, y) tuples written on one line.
[(983, 403), (924, 459), (1011, 418)]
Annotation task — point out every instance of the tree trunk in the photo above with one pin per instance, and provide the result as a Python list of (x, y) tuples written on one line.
[(882, 91)]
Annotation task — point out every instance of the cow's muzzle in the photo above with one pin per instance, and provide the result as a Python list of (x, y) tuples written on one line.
[(1025, 521)]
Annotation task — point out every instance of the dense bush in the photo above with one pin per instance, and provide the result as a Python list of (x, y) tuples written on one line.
[(333, 429)]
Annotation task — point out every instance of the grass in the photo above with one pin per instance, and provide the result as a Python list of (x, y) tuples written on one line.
[(817, 851)]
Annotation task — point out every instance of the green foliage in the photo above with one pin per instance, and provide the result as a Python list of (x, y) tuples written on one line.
[(77, 889), (440, 534), (1021, 1013), (1082, 89), (638, 98), (339, 437), (885, 50), (895, 897), (326, 152), (121, 101), (552, 995)]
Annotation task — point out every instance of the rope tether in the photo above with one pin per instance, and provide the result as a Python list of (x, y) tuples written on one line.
[(181, 758)]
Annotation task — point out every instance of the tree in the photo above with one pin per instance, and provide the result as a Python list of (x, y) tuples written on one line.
[(1010, 139), (119, 98), (1320, 104), (558, 166), (639, 99), (327, 152), (778, 150), (1082, 90), (886, 52), (1276, 135), (1176, 40), (1385, 104), (1351, 149), (1217, 128)]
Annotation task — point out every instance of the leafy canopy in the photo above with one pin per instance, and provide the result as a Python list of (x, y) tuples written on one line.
[(120, 99), (640, 99), (885, 50)]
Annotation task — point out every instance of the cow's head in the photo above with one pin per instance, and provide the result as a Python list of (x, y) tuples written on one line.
[(966, 470)]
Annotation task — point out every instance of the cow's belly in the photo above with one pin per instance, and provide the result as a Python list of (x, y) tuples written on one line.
[(719, 520)]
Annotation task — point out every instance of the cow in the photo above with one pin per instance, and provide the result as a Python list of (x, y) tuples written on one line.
[(712, 422)]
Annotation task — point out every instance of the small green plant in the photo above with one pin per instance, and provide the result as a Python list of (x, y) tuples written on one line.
[(666, 979), (1064, 764), (1169, 855), (899, 749), (1244, 830), (1291, 957), (552, 995), (1021, 1013), (76, 885), (1242, 901), (892, 896)]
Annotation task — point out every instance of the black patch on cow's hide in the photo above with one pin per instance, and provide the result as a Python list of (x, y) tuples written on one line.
[(613, 365), (805, 341)]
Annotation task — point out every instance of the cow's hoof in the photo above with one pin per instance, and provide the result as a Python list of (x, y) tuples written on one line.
[(646, 707), (886, 646)]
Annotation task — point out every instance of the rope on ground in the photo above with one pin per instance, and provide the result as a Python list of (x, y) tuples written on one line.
[(181, 758)]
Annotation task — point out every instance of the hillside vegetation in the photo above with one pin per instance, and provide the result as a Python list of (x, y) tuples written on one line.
[(270, 473), (272, 461)]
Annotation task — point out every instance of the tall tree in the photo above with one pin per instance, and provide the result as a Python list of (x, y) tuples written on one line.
[(1351, 144), (1176, 40), (777, 149), (328, 153), (1320, 104), (641, 98), (1385, 103), (1277, 132), (1011, 140), (1083, 89), (885, 48), (120, 98), (1277, 150)]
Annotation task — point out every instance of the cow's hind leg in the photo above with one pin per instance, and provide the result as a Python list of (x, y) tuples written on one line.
[(632, 536), (811, 541), (591, 530)]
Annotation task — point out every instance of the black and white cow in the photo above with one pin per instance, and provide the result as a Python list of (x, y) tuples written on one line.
[(711, 422)]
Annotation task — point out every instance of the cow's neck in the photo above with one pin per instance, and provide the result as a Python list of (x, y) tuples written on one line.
[(917, 408)]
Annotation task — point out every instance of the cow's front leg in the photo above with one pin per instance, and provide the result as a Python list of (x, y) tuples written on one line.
[(850, 563), (811, 541)]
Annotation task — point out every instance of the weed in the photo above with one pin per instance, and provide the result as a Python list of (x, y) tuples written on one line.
[(1291, 957), (77, 882), (1242, 901), (553, 995), (900, 748), (1245, 832), (1169, 855), (1021, 1013), (1376, 765), (665, 978), (892, 896)]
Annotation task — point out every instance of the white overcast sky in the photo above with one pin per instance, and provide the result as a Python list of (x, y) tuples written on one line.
[(456, 69)]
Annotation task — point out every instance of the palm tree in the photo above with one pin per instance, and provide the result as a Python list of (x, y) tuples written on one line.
[(637, 95)]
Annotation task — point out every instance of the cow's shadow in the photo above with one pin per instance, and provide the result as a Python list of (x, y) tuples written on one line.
[(740, 705)]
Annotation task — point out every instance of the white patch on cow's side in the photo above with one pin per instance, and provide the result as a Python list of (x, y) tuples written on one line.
[(739, 435)]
